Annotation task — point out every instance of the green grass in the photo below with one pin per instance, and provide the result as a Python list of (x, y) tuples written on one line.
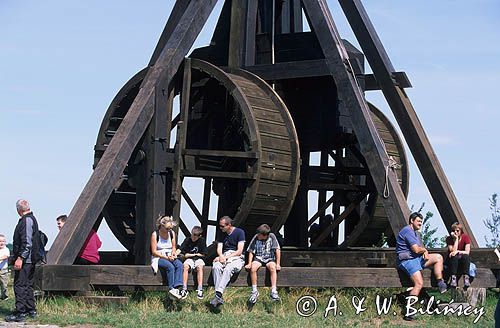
[(154, 309)]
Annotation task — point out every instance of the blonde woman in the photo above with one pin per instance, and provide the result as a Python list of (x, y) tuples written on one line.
[(164, 254)]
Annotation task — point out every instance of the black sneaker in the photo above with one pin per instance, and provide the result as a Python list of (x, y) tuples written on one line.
[(4, 297), (442, 286), (16, 317), (32, 314), (184, 294), (466, 282), (409, 318)]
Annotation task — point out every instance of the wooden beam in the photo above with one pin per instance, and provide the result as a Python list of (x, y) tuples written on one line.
[(180, 144), (237, 33), (321, 210), (312, 185), (174, 18), (100, 185), (251, 30), (151, 192), (191, 205), (115, 275), (407, 118), (205, 211), (336, 222), (290, 70), (349, 92), (400, 78)]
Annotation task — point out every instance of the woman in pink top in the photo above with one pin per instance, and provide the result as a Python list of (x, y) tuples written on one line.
[(90, 250), (89, 254)]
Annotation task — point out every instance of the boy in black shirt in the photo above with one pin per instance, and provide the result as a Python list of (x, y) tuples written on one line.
[(194, 250)]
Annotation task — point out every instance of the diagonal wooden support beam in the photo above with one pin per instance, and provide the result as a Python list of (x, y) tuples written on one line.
[(349, 92), (338, 220), (100, 185), (407, 118)]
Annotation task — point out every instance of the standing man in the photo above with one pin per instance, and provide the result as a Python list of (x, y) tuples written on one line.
[(26, 254), (412, 257), (230, 259)]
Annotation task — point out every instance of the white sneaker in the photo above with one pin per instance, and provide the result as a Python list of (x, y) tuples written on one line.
[(253, 297), (174, 294), (199, 294)]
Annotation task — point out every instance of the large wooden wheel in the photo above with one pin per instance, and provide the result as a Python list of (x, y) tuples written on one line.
[(239, 137), (352, 189)]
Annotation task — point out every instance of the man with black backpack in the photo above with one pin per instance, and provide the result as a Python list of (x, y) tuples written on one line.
[(25, 255)]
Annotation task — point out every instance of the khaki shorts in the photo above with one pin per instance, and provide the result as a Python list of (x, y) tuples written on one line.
[(194, 264)]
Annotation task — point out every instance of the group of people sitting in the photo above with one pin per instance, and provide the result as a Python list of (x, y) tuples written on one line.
[(412, 257), (263, 250)]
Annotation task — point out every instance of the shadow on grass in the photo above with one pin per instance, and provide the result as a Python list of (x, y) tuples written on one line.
[(172, 306)]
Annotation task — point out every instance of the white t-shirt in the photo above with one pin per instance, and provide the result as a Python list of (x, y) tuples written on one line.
[(4, 252)]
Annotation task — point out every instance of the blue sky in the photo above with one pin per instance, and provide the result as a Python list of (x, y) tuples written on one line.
[(62, 62)]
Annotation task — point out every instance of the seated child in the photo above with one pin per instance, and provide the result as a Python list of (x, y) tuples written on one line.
[(264, 249), (194, 250)]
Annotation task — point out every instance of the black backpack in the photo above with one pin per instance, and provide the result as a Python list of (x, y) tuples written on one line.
[(41, 256)]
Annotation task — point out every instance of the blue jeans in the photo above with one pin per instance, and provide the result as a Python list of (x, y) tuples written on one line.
[(173, 270)]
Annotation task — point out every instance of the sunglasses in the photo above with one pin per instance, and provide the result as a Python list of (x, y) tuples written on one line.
[(222, 225), (196, 234)]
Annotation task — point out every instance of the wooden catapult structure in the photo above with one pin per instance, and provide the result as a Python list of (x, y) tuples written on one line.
[(252, 108)]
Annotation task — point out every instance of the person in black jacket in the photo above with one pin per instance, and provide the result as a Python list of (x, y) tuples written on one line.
[(25, 255)]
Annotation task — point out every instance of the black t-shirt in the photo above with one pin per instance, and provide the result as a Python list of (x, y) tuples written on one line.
[(192, 247), (230, 242)]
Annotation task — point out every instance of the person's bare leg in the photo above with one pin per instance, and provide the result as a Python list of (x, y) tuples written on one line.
[(435, 260), (199, 276), (253, 272), (185, 274), (271, 266), (418, 283)]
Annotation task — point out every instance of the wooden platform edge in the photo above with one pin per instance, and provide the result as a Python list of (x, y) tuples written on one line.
[(77, 277)]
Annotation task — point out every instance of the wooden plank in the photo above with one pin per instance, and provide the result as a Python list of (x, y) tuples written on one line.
[(407, 118), (352, 97), (219, 174), (220, 153), (312, 185), (101, 275), (357, 256), (59, 278), (290, 70), (100, 185)]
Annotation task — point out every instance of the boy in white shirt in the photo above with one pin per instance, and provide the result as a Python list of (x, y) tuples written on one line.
[(4, 272)]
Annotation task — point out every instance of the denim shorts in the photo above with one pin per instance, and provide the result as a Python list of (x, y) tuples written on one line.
[(413, 265)]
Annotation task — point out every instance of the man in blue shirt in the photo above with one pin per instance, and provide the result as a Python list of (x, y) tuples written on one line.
[(230, 259), (412, 257)]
